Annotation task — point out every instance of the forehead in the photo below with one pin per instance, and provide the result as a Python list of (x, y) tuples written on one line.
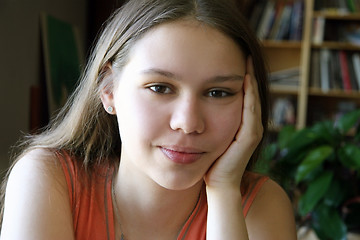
[(187, 44)]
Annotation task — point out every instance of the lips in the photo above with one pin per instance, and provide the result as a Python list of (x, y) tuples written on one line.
[(182, 155)]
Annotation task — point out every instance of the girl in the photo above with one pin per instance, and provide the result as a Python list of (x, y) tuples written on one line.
[(159, 138)]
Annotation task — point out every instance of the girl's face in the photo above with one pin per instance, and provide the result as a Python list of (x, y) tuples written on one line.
[(178, 102)]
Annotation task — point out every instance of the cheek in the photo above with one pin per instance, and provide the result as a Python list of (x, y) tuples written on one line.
[(138, 118), (225, 126)]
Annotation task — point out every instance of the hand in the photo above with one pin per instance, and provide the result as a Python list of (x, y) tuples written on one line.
[(229, 168)]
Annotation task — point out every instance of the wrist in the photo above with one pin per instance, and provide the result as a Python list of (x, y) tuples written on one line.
[(225, 215), (224, 193), (223, 184)]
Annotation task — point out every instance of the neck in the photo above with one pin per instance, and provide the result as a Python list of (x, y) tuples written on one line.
[(144, 207)]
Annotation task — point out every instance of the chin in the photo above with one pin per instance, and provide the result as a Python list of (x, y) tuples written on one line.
[(177, 184)]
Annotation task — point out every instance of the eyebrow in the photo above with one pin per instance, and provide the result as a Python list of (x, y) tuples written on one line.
[(216, 79), (157, 71)]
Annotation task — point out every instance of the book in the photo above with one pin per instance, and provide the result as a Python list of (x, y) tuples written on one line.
[(352, 74), (284, 23), (315, 69), (324, 69), (295, 31), (335, 71), (266, 20), (356, 64), (277, 21), (286, 77), (318, 30), (256, 14), (285, 73), (345, 71)]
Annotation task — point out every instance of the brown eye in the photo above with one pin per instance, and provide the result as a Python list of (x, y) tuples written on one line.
[(161, 89), (219, 93)]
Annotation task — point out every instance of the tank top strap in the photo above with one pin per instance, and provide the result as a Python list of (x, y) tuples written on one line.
[(254, 183)]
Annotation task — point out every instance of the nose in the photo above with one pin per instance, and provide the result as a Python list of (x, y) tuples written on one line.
[(187, 116)]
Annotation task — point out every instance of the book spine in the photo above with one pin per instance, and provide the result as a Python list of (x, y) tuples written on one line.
[(296, 21), (318, 30), (354, 84), (337, 70), (315, 69), (285, 23), (356, 64), (324, 69), (345, 71), (265, 20), (275, 28)]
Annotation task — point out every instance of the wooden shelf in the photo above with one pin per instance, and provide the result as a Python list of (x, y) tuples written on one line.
[(334, 93), (279, 89), (337, 15), (337, 46), (281, 44), (281, 55)]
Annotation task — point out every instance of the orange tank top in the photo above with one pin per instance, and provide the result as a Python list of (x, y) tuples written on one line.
[(92, 208)]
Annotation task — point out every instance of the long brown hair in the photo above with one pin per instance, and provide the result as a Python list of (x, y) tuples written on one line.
[(83, 127)]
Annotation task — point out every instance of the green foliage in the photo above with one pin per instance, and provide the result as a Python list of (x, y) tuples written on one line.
[(348, 121), (322, 163), (313, 160), (349, 155), (328, 223), (314, 193)]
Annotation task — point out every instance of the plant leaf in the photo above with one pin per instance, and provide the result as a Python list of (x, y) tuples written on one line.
[(269, 152), (263, 164), (347, 121), (302, 138), (328, 221), (286, 133), (349, 155), (357, 135), (298, 142), (314, 193), (327, 132), (313, 160), (335, 194)]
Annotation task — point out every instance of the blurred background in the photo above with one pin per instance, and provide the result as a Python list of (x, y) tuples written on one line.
[(21, 56), (312, 49)]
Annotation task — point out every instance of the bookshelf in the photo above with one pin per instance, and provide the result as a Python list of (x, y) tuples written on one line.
[(339, 21), (311, 102)]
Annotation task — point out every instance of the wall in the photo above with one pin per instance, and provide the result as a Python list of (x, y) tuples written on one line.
[(20, 65)]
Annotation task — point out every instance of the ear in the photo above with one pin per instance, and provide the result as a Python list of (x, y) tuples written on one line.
[(107, 89)]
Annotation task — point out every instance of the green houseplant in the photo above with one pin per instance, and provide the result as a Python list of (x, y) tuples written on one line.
[(319, 166)]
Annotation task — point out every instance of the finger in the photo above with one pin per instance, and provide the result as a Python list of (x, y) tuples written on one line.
[(254, 83), (251, 114), (251, 130), (250, 70)]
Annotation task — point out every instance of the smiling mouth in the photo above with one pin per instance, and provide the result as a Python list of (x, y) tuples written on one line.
[(181, 156)]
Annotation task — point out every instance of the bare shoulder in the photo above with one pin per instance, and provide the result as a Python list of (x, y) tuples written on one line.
[(39, 168), (38, 161), (37, 202), (271, 215)]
